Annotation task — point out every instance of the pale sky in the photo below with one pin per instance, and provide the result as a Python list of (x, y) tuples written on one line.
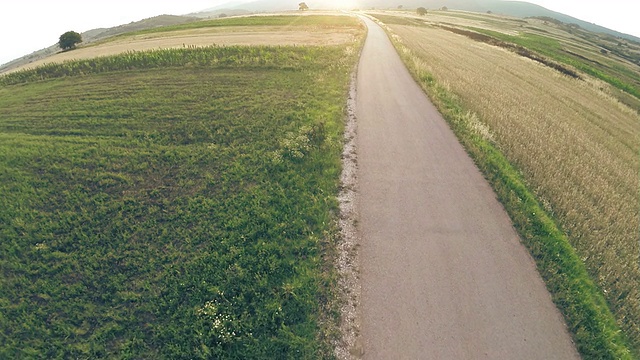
[(30, 25), (619, 15)]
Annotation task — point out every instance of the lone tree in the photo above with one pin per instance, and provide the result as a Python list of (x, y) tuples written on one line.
[(400, 7), (69, 40), (421, 11), (303, 6)]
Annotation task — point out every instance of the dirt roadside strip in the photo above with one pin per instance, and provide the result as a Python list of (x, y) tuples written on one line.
[(443, 273)]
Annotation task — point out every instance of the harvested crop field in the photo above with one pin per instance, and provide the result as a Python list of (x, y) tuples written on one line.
[(310, 31), (457, 18), (574, 142)]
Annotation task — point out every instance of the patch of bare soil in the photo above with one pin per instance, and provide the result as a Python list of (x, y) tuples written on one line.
[(349, 345)]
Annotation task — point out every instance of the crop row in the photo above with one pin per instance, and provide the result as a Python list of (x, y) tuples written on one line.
[(286, 57)]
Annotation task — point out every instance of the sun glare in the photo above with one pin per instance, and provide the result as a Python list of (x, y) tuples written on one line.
[(342, 4)]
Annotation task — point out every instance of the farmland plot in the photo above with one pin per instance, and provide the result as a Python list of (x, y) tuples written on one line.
[(172, 204), (248, 31)]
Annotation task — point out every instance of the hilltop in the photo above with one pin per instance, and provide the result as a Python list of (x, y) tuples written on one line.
[(512, 8), (98, 34)]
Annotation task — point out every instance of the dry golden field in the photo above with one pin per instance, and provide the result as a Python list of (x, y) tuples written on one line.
[(611, 57), (223, 36), (575, 143)]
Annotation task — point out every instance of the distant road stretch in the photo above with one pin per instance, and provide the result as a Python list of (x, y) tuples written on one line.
[(443, 273)]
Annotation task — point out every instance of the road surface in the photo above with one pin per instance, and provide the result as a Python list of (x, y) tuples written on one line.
[(443, 273)]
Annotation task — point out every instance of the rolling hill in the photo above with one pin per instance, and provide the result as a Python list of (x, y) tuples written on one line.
[(100, 34), (511, 8), (234, 8)]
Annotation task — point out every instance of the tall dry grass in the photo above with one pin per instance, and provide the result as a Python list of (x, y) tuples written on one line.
[(576, 145)]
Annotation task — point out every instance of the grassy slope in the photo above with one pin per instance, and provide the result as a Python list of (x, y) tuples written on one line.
[(586, 312), (610, 73), (180, 212)]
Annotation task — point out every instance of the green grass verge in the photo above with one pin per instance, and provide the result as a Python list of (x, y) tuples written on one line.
[(588, 317), (178, 212)]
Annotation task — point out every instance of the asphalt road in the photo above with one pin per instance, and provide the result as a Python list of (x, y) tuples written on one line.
[(443, 273)]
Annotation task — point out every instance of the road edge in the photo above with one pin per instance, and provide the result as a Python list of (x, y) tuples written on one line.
[(348, 345)]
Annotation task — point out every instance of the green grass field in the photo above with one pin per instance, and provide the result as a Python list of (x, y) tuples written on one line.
[(176, 209)]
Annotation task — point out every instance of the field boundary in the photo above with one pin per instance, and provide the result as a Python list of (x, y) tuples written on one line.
[(517, 49), (348, 344), (346, 262), (589, 319), (556, 56)]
